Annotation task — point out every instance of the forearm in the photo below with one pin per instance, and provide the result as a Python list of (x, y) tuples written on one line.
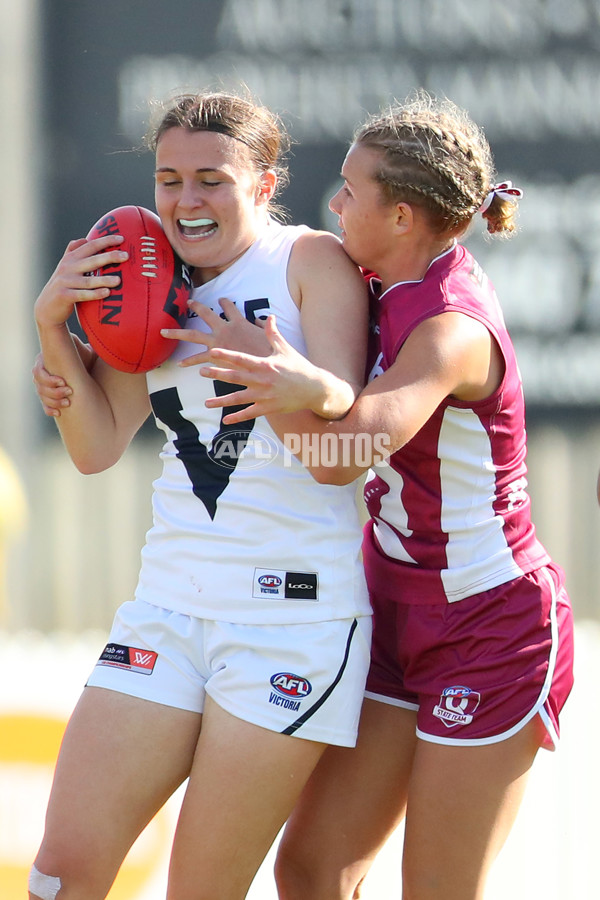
[(334, 451), (87, 426)]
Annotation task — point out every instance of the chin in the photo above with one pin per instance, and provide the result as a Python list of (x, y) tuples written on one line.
[(355, 257)]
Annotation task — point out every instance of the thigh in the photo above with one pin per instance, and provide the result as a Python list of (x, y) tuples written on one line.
[(351, 805), (244, 783), (120, 760), (462, 802)]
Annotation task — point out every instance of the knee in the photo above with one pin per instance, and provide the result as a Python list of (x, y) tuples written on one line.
[(303, 871), (42, 886), (294, 875), (53, 874), (300, 872)]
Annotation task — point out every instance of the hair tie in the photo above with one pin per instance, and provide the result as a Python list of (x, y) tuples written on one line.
[(504, 190)]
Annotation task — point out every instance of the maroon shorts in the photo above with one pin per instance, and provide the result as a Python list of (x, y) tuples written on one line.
[(479, 669)]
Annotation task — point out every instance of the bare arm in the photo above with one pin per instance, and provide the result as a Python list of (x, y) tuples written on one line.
[(450, 354), (53, 390), (334, 312), (105, 407)]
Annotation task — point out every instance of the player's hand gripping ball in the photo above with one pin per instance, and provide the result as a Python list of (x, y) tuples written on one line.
[(124, 328)]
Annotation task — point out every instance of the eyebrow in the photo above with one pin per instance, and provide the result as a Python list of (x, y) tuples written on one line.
[(198, 171)]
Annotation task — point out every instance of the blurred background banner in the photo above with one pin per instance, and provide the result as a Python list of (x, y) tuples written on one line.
[(528, 72), (76, 81), (76, 84)]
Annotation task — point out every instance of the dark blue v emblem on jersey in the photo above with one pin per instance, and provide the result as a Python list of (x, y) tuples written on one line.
[(208, 475)]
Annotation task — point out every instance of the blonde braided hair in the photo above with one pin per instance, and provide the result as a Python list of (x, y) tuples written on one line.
[(435, 156)]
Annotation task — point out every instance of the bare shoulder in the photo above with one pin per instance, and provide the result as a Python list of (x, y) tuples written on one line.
[(318, 257), (321, 247), (453, 333), (464, 346)]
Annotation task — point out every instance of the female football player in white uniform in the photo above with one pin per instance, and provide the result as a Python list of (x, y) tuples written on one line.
[(245, 651)]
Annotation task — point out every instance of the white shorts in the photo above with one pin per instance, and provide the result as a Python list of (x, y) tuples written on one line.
[(305, 680)]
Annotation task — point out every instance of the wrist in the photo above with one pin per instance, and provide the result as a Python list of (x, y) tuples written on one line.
[(47, 327), (331, 397)]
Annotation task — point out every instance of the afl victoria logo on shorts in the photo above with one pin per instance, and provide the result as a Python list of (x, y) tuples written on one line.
[(457, 705), (289, 690)]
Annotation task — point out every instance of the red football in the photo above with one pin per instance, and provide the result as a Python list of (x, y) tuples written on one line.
[(124, 328)]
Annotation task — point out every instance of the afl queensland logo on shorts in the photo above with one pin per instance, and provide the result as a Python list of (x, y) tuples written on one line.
[(289, 690), (457, 705)]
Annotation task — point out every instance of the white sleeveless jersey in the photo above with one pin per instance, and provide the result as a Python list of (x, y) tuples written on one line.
[(242, 532)]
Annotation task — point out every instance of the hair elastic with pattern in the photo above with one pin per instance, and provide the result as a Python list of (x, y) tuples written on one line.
[(505, 190)]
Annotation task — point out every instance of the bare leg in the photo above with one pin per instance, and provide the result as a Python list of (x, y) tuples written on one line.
[(244, 783), (462, 803), (351, 805), (120, 760)]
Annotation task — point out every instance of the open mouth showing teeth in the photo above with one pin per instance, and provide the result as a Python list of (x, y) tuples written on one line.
[(197, 227)]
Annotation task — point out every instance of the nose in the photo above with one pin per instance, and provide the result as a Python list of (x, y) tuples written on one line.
[(334, 203), (190, 196)]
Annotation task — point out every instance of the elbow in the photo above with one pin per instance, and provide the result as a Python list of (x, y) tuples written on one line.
[(92, 464), (89, 466), (91, 458)]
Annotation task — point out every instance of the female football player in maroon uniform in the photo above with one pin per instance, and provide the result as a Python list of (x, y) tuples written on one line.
[(472, 651)]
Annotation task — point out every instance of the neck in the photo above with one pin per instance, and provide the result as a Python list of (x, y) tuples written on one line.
[(412, 266)]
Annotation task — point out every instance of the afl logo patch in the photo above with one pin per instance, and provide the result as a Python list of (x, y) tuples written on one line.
[(278, 584), (270, 581), (290, 685), (457, 705)]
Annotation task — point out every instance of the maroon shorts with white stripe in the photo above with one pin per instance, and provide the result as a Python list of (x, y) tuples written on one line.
[(476, 671)]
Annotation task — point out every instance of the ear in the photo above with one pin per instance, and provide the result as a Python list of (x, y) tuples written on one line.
[(405, 218), (265, 187)]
